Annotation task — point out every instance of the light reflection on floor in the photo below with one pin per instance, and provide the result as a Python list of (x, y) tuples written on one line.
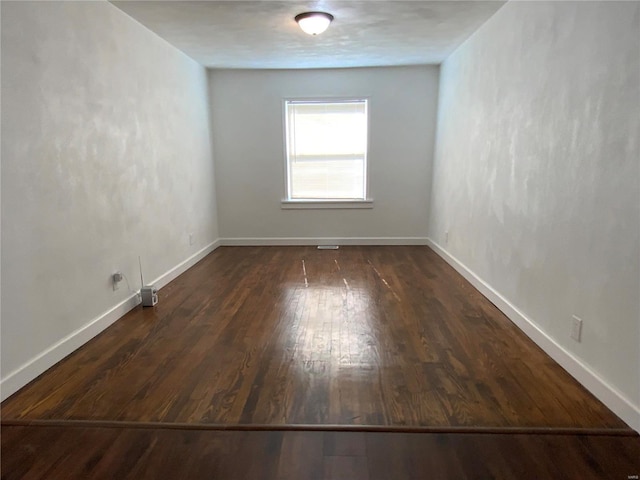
[(332, 324)]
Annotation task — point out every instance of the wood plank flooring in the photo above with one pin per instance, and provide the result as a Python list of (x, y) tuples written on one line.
[(32, 453), (387, 336), (257, 362)]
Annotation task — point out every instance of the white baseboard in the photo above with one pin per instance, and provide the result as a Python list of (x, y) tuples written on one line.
[(293, 241), (52, 355), (179, 269), (607, 394), (56, 352)]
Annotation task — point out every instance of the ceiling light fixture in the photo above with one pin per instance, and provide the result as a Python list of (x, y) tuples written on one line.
[(314, 23)]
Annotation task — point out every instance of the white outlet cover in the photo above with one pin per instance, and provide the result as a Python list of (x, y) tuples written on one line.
[(576, 328)]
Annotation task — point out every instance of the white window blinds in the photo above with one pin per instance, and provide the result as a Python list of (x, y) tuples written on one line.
[(327, 149)]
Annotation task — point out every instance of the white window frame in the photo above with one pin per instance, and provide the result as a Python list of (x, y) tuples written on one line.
[(295, 203)]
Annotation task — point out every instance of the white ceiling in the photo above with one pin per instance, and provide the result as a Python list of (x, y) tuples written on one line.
[(263, 34)]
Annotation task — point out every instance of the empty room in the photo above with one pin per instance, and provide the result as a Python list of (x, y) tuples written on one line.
[(320, 240)]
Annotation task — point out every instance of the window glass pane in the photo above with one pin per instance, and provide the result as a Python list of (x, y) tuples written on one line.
[(328, 179), (326, 147)]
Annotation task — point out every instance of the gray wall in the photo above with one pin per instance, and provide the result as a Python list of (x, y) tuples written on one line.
[(247, 113), (536, 173), (106, 155)]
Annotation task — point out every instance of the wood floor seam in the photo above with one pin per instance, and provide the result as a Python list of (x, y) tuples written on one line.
[(624, 432)]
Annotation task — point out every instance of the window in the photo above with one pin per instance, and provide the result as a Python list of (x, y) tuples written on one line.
[(326, 148)]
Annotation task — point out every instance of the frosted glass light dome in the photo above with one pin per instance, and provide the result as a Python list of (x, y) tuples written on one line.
[(314, 23)]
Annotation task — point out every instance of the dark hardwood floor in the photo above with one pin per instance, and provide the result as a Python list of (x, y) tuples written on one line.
[(294, 335), (130, 453), (270, 336)]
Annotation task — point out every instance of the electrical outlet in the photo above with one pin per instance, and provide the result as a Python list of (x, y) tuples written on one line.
[(116, 278), (191, 239), (446, 237), (576, 328)]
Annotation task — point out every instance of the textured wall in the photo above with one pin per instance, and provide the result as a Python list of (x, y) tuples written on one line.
[(106, 155), (536, 174), (247, 113)]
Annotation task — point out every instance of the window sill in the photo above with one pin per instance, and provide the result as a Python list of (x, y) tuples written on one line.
[(325, 204)]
